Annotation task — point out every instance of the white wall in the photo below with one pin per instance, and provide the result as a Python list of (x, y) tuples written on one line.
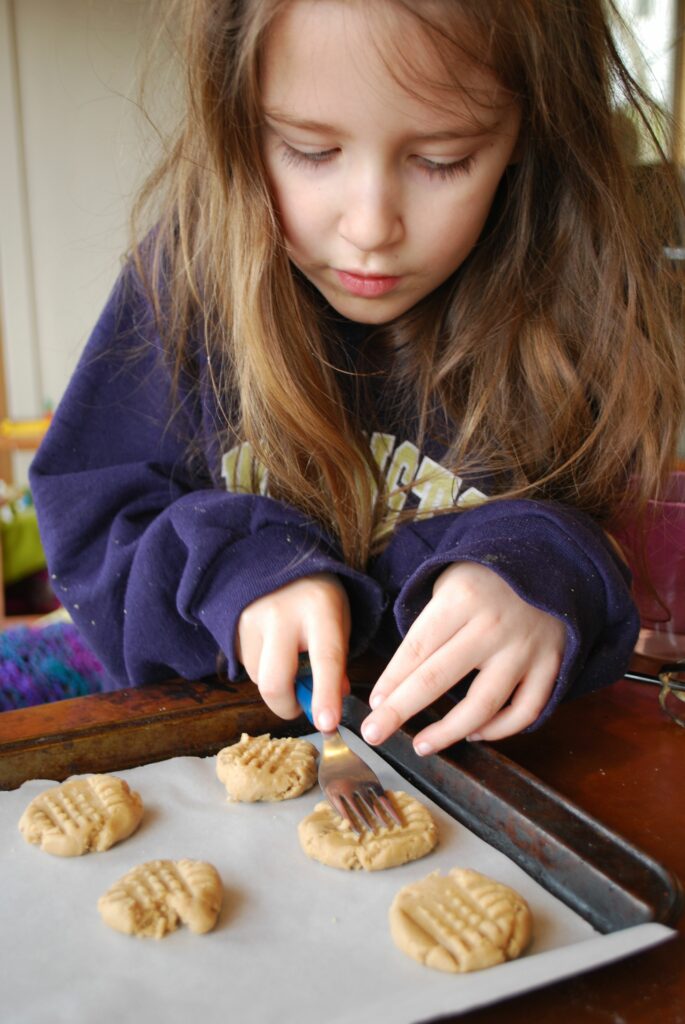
[(654, 24), (75, 146)]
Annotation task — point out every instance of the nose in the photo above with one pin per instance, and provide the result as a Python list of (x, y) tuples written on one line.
[(371, 214)]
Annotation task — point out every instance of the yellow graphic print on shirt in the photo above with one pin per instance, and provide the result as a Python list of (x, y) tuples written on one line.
[(403, 467)]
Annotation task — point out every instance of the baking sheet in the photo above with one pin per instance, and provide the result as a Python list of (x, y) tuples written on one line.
[(295, 940)]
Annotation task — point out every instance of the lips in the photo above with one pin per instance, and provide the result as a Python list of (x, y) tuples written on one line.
[(368, 286)]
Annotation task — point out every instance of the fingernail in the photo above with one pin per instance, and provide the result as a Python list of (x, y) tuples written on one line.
[(375, 700), (423, 748), (474, 737), (325, 721), (371, 732)]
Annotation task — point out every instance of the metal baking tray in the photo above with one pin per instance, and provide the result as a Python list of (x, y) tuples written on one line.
[(605, 879)]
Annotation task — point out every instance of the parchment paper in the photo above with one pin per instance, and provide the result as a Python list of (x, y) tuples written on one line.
[(296, 941)]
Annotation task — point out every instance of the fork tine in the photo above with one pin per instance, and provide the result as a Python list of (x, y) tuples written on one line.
[(382, 807), (387, 806), (341, 806), (347, 810), (371, 817)]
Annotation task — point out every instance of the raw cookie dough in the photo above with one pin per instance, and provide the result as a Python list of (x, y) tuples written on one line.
[(89, 813), (460, 922), (262, 768), (328, 838), (152, 898)]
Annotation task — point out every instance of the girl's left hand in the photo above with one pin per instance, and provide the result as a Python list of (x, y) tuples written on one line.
[(474, 620)]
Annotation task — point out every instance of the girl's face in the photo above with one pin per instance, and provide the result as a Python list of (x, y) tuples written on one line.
[(381, 194)]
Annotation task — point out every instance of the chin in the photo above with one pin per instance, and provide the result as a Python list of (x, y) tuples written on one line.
[(371, 317), (367, 311)]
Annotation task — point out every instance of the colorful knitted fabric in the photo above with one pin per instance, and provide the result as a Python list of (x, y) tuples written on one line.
[(48, 664)]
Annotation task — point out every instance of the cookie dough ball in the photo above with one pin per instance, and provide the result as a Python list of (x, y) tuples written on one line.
[(328, 838), (153, 898), (90, 813), (262, 768), (460, 922)]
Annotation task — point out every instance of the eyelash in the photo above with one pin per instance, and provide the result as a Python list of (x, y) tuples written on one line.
[(445, 171), (299, 159), (434, 170)]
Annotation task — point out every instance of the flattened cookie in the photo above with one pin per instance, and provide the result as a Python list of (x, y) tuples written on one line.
[(151, 899), (326, 837), (460, 922), (90, 813), (262, 768)]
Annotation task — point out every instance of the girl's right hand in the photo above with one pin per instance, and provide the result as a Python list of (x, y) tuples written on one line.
[(311, 614)]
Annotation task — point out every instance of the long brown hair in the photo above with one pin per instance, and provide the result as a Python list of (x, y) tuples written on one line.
[(555, 348)]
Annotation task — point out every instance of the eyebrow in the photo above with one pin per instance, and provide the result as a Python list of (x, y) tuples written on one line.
[(473, 131)]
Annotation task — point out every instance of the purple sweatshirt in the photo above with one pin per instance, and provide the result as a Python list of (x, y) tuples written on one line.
[(155, 559)]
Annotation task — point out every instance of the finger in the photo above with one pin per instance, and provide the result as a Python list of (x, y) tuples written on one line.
[(437, 674), (328, 661), (276, 675), (488, 693), (427, 634), (529, 700), (248, 650)]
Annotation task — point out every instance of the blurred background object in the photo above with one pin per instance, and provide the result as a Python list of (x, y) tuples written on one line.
[(659, 572)]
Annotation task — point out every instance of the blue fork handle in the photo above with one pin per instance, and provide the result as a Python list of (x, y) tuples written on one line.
[(303, 692)]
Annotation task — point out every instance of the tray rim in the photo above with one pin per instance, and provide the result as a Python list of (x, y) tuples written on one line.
[(660, 896)]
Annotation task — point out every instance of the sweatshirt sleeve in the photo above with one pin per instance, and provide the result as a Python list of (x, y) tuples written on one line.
[(153, 562), (554, 557)]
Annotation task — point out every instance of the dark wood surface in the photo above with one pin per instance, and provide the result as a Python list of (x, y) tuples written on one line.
[(613, 753), (109, 732)]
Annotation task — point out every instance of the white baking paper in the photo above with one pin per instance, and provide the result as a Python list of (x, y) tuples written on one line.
[(296, 941)]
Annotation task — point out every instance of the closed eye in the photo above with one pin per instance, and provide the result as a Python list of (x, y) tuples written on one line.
[(433, 168), (449, 170), (300, 157)]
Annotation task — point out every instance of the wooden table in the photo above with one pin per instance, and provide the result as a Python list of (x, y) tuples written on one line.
[(614, 753)]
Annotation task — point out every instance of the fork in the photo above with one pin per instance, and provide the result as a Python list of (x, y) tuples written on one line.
[(349, 785)]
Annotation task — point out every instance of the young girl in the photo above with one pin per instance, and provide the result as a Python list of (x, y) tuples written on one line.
[(379, 375)]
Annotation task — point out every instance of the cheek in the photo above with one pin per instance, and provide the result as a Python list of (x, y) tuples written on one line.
[(289, 197), (454, 235), (298, 209), (461, 228), (283, 194)]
